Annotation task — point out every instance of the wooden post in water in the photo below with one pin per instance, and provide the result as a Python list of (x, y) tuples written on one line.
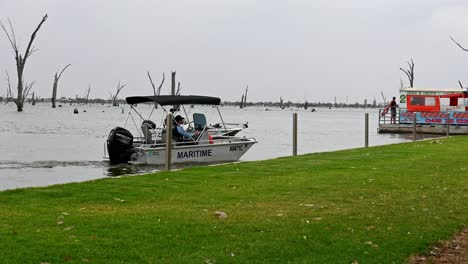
[(448, 124), (294, 134), (414, 126), (168, 141), (366, 130)]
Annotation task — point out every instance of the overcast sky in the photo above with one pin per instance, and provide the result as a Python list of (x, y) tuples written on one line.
[(299, 49)]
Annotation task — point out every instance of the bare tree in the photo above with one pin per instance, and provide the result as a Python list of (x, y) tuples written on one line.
[(20, 58), (282, 106), (27, 89), (54, 88), (9, 96), (114, 97), (384, 98), (178, 89), (458, 44), (173, 82), (409, 72), (245, 97), (87, 93), (33, 99), (156, 92)]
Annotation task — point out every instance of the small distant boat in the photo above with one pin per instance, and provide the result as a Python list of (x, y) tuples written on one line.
[(123, 147)]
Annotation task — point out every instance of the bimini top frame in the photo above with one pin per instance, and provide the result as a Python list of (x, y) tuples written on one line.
[(174, 100)]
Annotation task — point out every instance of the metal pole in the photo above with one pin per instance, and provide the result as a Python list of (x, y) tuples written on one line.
[(366, 129), (414, 126), (224, 124), (168, 141), (294, 134), (448, 124)]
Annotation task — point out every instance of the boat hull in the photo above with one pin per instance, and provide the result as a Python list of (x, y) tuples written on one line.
[(207, 153)]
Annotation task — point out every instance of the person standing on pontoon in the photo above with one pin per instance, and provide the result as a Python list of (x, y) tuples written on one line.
[(393, 105)]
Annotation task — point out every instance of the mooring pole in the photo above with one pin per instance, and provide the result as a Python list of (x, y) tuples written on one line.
[(294, 134), (414, 126), (366, 129), (448, 124), (168, 141)]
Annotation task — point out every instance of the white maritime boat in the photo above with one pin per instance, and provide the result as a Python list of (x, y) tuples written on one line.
[(203, 147)]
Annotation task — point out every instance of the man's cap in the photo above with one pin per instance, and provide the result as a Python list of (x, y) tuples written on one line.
[(178, 118)]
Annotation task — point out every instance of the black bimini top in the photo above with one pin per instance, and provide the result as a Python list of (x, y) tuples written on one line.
[(174, 99)]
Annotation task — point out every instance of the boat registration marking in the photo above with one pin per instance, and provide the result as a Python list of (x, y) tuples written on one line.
[(236, 148)]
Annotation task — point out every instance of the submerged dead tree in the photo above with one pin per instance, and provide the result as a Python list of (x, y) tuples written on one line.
[(243, 101), (282, 106), (156, 92), (54, 88), (384, 98), (26, 89), (87, 94), (9, 96), (114, 96), (21, 58), (409, 72), (33, 99)]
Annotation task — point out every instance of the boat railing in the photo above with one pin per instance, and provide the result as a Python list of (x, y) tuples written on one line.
[(232, 140), (387, 118), (405, 117)]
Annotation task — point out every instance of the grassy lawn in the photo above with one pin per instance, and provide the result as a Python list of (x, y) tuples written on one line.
[(375, 205)]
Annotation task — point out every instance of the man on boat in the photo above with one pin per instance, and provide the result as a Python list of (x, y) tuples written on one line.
[(393, 105), (178, 132)]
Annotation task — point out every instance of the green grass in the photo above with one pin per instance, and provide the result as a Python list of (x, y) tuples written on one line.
[(375, 205)]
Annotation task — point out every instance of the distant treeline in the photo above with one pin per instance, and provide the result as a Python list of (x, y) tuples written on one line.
[(304, 105), (283, 105)]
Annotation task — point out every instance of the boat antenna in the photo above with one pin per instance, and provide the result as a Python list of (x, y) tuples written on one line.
[(224, 124)]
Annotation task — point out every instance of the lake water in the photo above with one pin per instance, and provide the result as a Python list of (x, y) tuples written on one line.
[(43, 146)]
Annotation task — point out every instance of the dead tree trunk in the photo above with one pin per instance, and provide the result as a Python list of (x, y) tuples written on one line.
[(409, 72), (281, 103), (54, 89), (20, 58), (245, 97), (173, 88), (9, 96), (33, 99), (87, 94), (156, 92), (384, 98), (114, 97), (173, 82)]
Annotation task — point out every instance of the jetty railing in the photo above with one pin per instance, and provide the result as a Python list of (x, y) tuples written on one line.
[(387, 118)]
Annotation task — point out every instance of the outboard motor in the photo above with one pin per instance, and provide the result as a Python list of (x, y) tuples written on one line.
[(119, 145)]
